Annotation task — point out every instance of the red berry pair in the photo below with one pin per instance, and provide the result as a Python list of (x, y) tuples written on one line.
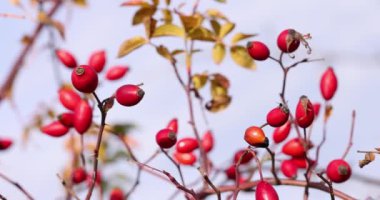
[(97, 59)]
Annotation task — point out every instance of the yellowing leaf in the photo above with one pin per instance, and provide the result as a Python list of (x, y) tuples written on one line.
[(143, 12), (169, 30), (164, 52), (199, 80), (240, 36), (167, 16), (44, 18), (218, 52), (225, 29), (129, 45), (218, 104), (150, 25), (241, 57), (81, 3), (368, 158), (156, 2), (215, 26), (135, 3), (214, 13), (202, 34), (328, 112), (191, 22)]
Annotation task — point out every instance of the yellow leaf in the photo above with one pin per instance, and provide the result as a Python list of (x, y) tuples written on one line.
[(150, 25), (218, 104), (202, 34), (215, 26), (218, 90), (129, 45), (241, 57), (164, 52), (168, 30), (328, 112), (199, 80), (225, 29), (143, 12), (191, 22), (167, 16), (135, 3), (81, 3), (167, 2), (60, 28), (44, 18), (240, 36), (214, 13), (218, 52)]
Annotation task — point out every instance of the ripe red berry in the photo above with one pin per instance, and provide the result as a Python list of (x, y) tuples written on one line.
[(258, 50), (289, 169), (55, 129), (208, 141), (278, 116), (328, 84), (66, 58), (316, 108), (67, 119), (82, 117), (294, 147), (230, 172), (247, 157), (301, 162), (5, 143), (255, 136), (281, 133), (185, 158), (68, 98), (116, 194), (79, 175), (97, 60), (289, 40), (304, 112), (186, 145), (129, 95), (173, 125), (116, 72), (265, 191), (166, 138), (98, 179), (338, 171), (84, 78)]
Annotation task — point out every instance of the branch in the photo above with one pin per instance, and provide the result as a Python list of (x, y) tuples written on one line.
[(17, 185), (176, 165), (68, 189), (329, 184), (351, 135)]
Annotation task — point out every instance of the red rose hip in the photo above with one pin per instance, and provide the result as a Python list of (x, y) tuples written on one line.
[(116, 72), (289, 169), (67, 119), (258, 50), (294, 147), (265, 191), (281, 133), (173, 125), (116, 194), (255, 136), (68, 98), (79, 175), (185, 158), (328, 84), (129, 95), (186, 145), (84, 78), (55, 129), (304, 112), (208, 141), (82, 117), (278, 116), (338, 171), (289, 40), (244, 160), (5, 143), (66, 58), (97, 60), (166, 138)]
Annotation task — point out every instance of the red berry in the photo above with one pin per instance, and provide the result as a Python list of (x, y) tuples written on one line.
[(231, 172), (129, 95), (84, 78), (289, 169), (116, 72), (66, 58), (67, 119), (68, 98), (186, 145), (55, 129), (304, 112), (265, 191), (82, 117), (255, 136), (185, 158), (278, 116), (79, 175), (328, 84), (301, 162), (166, 138), (247, 157), (173, 125), (5, 143), (117, 194), (282, 132), (294, 147), (338, 171), (208, 141), (289, 40), (97, 60), (258, 50), (316, 108), (98, 179)]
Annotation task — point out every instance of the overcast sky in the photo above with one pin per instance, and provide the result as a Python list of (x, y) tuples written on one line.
[(345, 33)]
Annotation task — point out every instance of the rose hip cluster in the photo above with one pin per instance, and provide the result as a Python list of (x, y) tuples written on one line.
[(184, 147), (296, 148)]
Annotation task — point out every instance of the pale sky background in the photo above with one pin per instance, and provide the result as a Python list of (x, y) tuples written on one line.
[(345, 33)]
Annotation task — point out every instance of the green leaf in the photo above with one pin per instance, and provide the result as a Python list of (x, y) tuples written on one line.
[(241, 57), (225, 29), (202, 34), (169, 30), (142, 13), (240, 36), (130, 45), (218, 52)]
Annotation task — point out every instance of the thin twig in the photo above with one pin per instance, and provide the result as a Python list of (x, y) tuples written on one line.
[(207, 179), (351, 135), (68, 189), (273, 168), (329, 184), (17, 185), (176, 165)]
